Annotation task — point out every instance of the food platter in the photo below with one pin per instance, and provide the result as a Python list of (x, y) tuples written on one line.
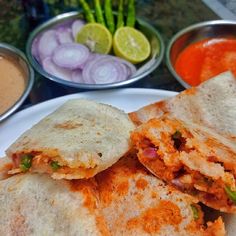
[(125, 99), (129, 100)]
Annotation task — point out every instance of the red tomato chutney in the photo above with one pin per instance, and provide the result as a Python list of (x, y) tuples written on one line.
[(205, 59)]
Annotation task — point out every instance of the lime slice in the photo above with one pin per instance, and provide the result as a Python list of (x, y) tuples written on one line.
[(96, 37), (131, 45)]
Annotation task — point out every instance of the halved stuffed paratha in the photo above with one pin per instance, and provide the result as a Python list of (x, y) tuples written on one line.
[(191, 158), (36, 205), (78, 140), (211, 104), (123, 200), (134, 202), (5, 166)]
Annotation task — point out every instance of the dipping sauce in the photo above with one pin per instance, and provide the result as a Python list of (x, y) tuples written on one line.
[(205, 59), (12, 82)]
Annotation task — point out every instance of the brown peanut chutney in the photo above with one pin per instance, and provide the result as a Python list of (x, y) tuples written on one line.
[(12, 82)]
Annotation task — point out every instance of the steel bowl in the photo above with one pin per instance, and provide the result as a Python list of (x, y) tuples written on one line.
[(154, 37), (194, 33), (18, 57)]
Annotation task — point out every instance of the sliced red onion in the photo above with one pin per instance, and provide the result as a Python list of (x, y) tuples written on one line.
[(55, 70), (91, 57), (64, 35), (64, 24), (177, 183), (70, 55), (77, 25), (47, 44), (77, 76), (132, 69), (150, 152), (34, 49), (103, 70)]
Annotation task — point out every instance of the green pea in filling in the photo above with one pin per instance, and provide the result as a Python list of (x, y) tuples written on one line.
[(195, 212), (55, 166), (26, 162)]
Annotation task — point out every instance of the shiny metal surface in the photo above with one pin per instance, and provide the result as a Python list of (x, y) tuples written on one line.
[(151, 33), (18, 56), (194, 33)]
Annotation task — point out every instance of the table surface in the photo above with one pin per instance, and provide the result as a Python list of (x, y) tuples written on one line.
[(168, 16)]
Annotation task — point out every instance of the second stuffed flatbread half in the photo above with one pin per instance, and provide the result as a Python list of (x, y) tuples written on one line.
[(191, 158)]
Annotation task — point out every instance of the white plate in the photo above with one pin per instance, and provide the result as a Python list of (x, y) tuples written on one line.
[(125, 99)]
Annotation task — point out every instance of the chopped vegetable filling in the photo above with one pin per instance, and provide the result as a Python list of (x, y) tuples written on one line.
[(26, 161), (231, 194), (183, 178), (195, 212), (55, 166), (178, 139)]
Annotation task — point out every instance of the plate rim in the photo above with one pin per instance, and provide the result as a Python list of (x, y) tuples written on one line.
[(13, 126), (74, 95)]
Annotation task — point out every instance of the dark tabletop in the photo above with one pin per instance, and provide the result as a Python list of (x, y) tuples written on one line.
[(168, 16)]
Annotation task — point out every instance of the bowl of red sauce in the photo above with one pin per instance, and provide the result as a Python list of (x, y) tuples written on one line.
[(202, 51)]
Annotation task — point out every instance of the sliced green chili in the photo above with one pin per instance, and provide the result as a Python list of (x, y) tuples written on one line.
[(87, 11), (26, 162), (131, 14), (120, 17), (231, 194), (195, 212), (98, 12), (55, 166), (109, 15)]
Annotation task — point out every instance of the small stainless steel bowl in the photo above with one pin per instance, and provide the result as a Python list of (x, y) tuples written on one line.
[(154, 37), (19, 57), (194, 33)]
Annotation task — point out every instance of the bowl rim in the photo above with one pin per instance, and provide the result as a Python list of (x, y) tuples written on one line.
[(72, 14), (28, 86), (182, 32)]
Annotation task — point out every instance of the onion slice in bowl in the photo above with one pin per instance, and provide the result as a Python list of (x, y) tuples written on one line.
[(77, 76), (104, 70), (70, 55), (47, 44), (132, 69), (76, 27), (55, 70), (34, 49), (64, 35)]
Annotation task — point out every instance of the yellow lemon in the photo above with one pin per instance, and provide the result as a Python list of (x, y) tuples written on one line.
[(96, 37), (131, 44)]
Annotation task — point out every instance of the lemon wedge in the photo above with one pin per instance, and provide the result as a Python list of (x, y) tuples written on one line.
[(96, 37), (131, 44)]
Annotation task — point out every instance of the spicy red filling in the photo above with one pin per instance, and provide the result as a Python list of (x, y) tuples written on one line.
[(212, 192)]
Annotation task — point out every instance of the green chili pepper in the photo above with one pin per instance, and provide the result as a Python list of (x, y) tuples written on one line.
[(231, 194), (131, 14), (98, 12), (120, 17), (109, 16), (87, 11), (26, 161), (195, 212), (55, 166)]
